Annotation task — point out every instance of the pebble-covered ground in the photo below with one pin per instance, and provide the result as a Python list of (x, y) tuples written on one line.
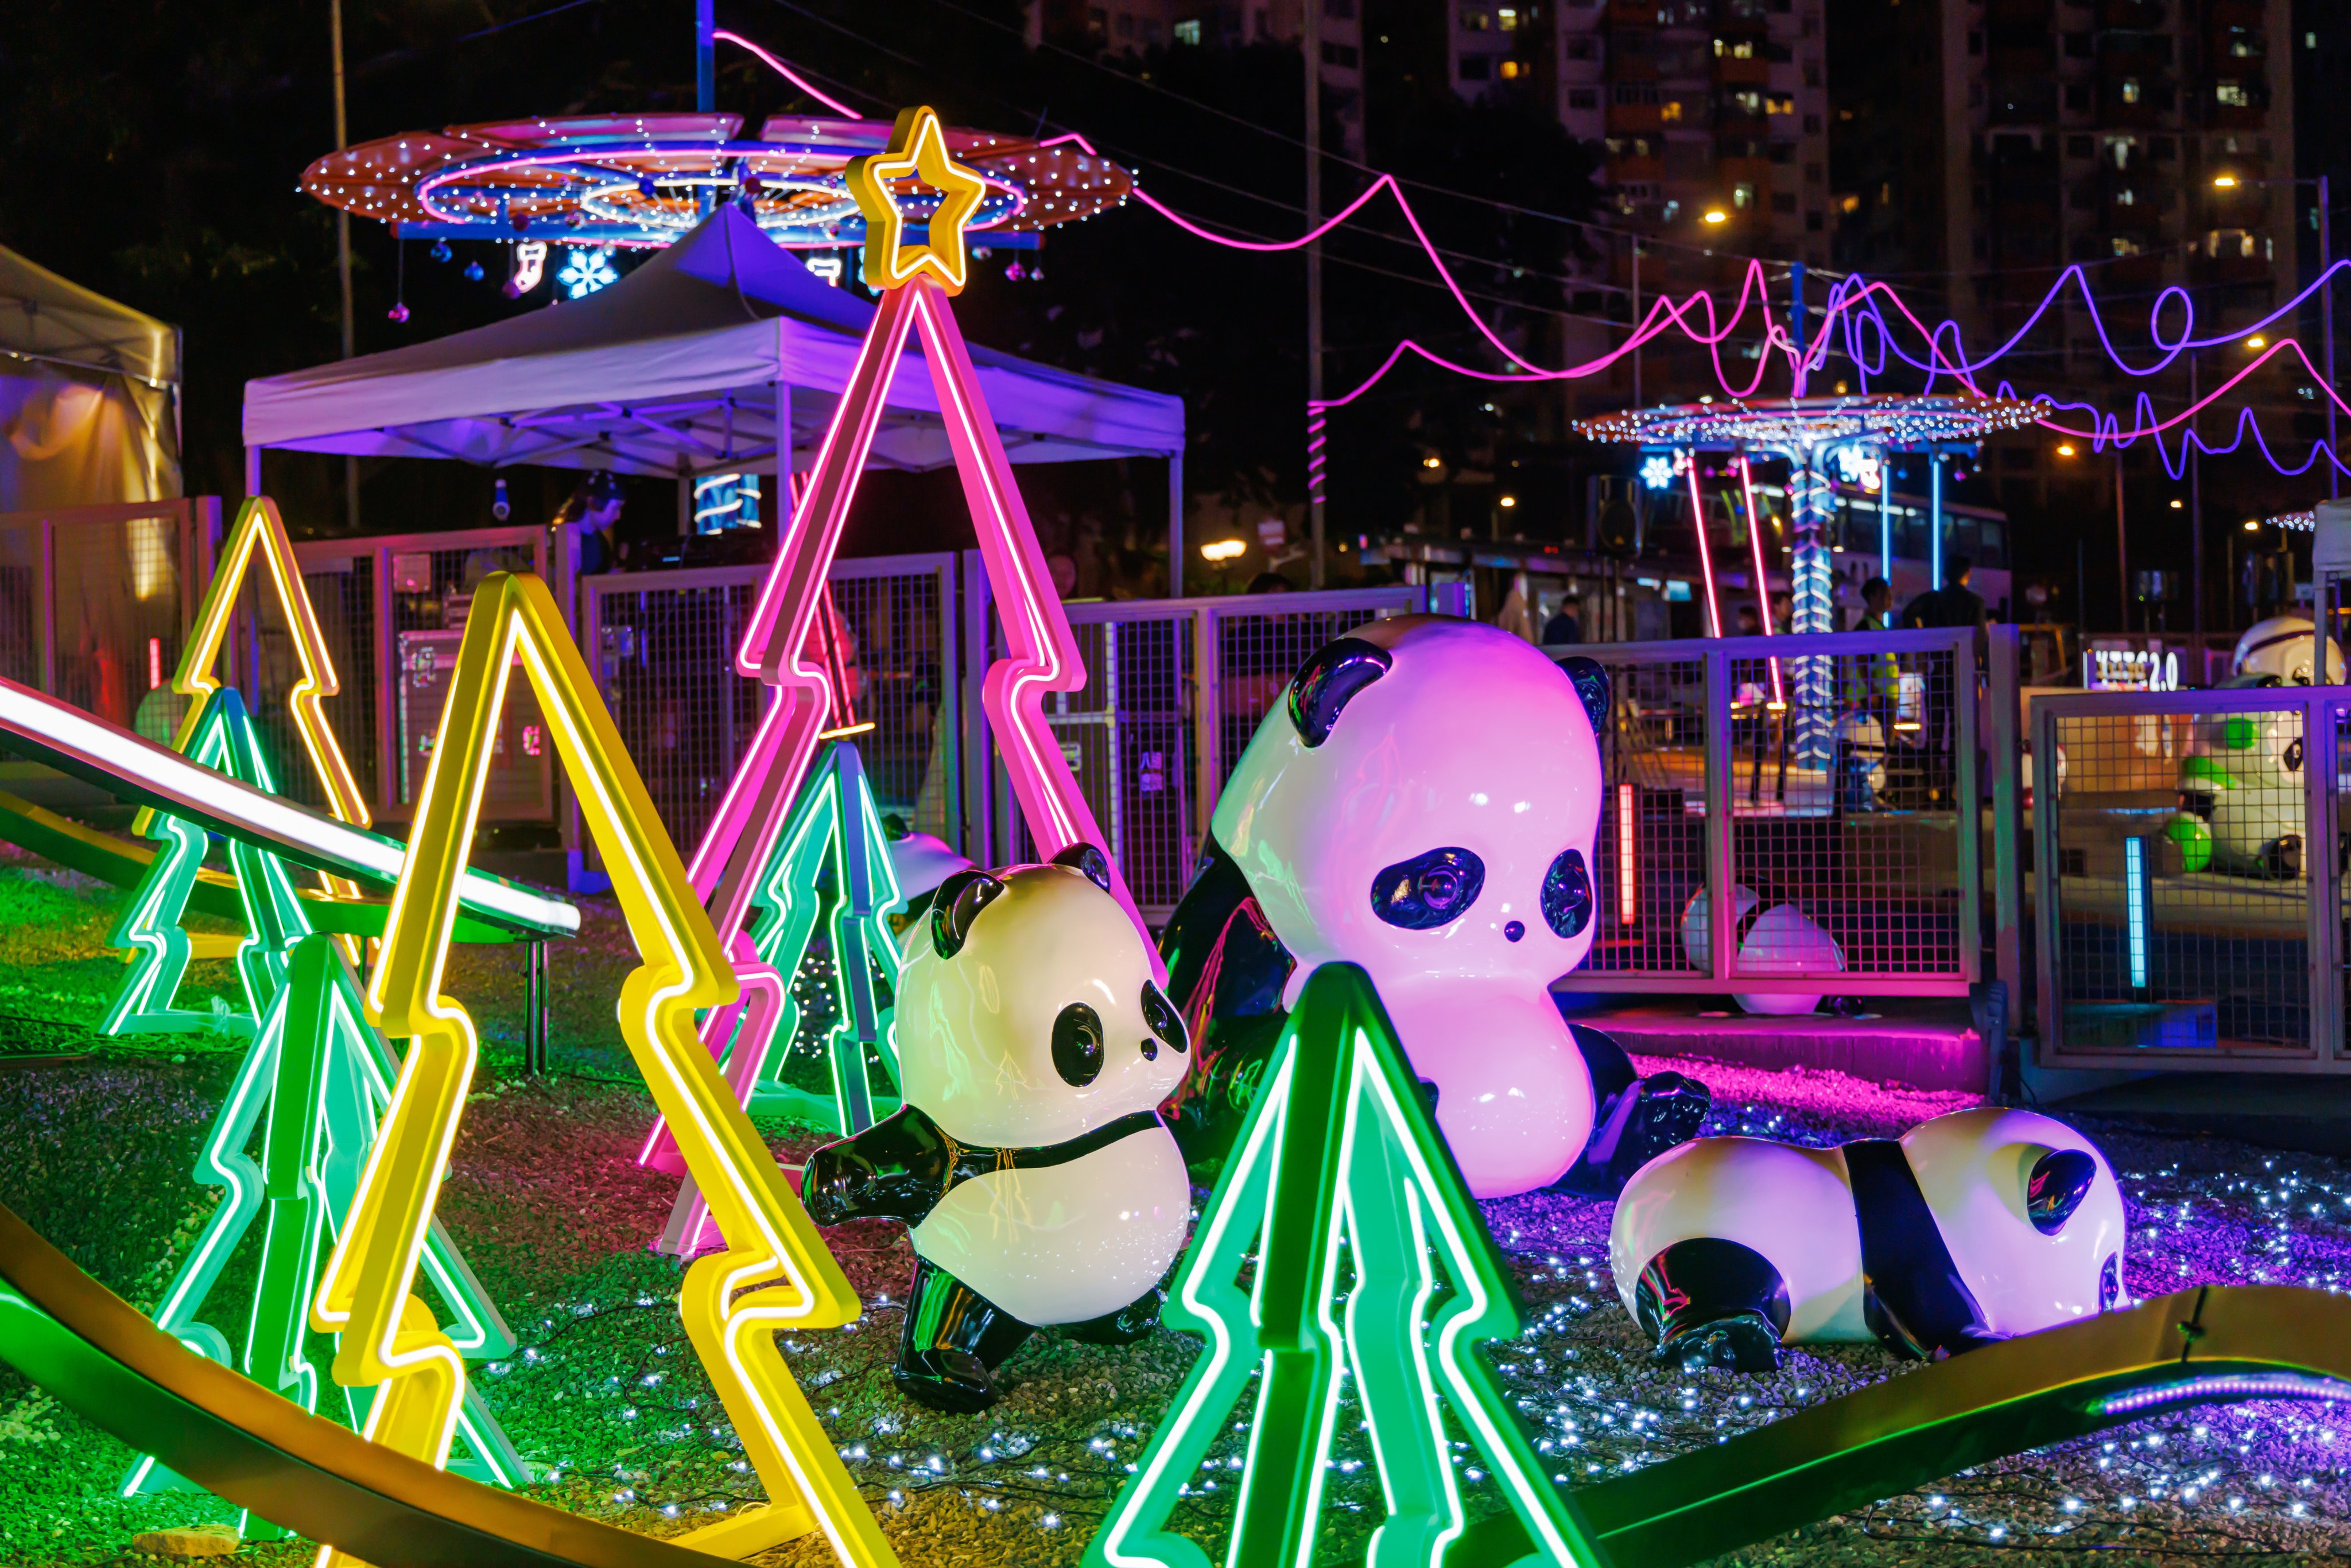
[(607, 1402)]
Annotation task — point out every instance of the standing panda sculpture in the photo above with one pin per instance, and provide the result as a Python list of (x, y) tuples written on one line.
[(1030, 1159), (1424, 804), (1970, 1229)]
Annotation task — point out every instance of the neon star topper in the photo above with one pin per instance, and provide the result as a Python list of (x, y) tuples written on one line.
[(918, 148)]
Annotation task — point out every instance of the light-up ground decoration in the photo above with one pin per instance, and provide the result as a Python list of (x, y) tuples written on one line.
[(1810, 434), (546, 1201), (642, 180)]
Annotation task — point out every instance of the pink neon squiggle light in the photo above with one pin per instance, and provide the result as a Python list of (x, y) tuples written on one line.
[(790, 74)]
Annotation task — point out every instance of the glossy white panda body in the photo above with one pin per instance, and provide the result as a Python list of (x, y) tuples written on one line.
[(1060, 1243), (1978, 1174), (1030, 1161), (1773, 939), (1070, 1242), (1454, 740)]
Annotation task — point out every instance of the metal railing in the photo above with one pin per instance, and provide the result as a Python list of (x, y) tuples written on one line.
[(94, 602), (1174, 688), (1727, 865), (393, 609), (664, 643), (2188, 878)]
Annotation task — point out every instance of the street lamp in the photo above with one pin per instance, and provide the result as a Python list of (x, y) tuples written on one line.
[(2325, 301), (1715, 216)]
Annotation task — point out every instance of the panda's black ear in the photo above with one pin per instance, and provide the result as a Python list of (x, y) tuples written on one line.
[(955, 904), (1593, 685), (1329, 681), (1085, 858), (2061, 1179)]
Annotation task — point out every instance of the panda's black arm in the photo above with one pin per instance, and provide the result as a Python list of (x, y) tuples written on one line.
[(898, 1168), (1198, 924)]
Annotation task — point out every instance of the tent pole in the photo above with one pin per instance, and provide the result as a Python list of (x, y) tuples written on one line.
[(252, 472), (1175, 525)]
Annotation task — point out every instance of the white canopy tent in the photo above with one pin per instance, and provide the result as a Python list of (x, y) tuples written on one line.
[(680, 369)]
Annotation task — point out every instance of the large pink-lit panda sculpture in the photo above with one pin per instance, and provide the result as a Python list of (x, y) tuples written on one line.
[(1970, 1229), (1424, 804)]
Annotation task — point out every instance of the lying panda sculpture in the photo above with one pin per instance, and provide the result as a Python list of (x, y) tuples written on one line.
[(1424, 804), (1029, 1157), (1970, 1229)]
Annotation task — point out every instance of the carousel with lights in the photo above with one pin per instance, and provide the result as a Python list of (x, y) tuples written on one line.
[(1822, 440), (565, 194)]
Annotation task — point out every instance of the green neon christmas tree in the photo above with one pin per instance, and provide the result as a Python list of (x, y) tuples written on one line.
[(831, 865), (322, 1074), (831, 868), (1346, 1201), (151, 927)]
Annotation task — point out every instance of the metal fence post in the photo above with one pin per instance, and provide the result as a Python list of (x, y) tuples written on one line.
[(2048, 1020), (1721, 891), (947, 716), (1208, 719), (48, 606), (2323, 869), (392, 768), (1966, 807), (2007, 818), (979, 772)]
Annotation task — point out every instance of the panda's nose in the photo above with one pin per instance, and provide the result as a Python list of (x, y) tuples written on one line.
[(1514, 930), (1150, 1048)]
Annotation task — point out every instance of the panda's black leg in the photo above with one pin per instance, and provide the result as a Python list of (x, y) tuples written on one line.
[(1635, 1119), (953, 1340), (1124, 1326), (1710, 1302)]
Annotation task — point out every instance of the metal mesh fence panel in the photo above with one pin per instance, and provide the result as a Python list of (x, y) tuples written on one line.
[(898, 666), (1652, 840), (343, 595), (1257, 654), (20, 604), (117, 614), (1854, 868), (2179, 854), (1126, 736), (666, 660), (667, 665)]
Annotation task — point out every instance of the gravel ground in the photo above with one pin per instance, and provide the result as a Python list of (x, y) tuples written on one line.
[(607, 1401)]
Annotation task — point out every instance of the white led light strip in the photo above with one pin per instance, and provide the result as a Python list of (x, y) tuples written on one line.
[(62, 734)]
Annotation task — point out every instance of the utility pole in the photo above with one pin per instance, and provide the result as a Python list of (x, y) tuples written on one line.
[(1636, 320), (1311, 46), (2327, 305), (343, 256), (2196, 512), (706, 65), (2122, 544)]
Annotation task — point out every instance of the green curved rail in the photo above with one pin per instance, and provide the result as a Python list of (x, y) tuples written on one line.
[(96, 1356), (99, 1358), (2197, 1346)]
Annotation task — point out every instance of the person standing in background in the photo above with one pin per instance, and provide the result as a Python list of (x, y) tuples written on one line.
[(594, 512)]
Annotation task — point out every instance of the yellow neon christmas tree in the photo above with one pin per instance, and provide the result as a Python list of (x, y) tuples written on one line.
[(390, 1339)]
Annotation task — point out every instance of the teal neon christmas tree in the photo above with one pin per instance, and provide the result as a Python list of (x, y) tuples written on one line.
[(831, 868), (833, 864), (321, 1074), (151, 927), (1346, 1200)]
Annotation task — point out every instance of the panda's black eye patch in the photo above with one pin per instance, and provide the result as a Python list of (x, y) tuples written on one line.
[(1428, 890), (1078, 1045), (1567, 895), (1164, 1020)]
